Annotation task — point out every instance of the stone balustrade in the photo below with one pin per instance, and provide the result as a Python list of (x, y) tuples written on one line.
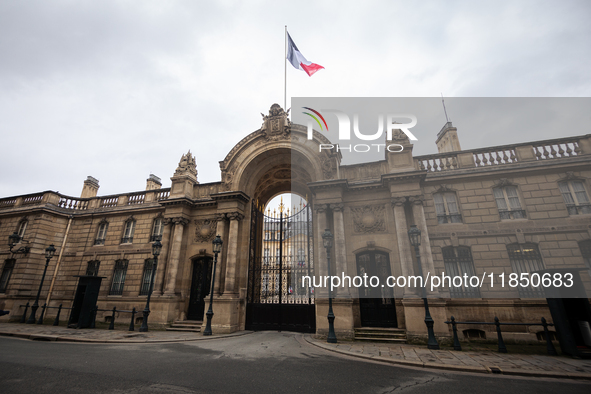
[(70, 204), (559, 148)]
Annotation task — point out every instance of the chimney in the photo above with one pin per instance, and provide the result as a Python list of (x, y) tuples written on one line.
[(447, 139), (90, 188), (153, 182)]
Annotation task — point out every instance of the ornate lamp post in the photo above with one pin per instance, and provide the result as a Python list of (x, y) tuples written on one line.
[(49, 252), (156, 248), (414, 234), (217, 248), (327, 241)]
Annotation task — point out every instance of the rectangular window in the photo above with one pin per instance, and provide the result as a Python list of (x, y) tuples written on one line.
[(575, 197), (526, 258), (446, 206), (128, 232), (93, 267), (6, 273), (147, 277), (508, 203), (458, 261), (101, 234), (118, 277), (157, 228), (266, 256)]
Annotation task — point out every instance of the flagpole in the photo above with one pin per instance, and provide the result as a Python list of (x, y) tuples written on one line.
[(285, 74)]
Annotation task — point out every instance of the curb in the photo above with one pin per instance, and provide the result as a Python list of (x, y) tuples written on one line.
[(454, 368), (62, 338)]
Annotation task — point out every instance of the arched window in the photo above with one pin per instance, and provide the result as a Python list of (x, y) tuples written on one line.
[(458, 261), (575, 197), (92, 267), (446, 206), (508, 202), (118, 281), (526, 258), (157, 228), (101, 233), (128, 230)]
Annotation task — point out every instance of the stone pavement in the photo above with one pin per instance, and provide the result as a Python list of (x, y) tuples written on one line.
[(464, 361), (100, 335), (401, 354)]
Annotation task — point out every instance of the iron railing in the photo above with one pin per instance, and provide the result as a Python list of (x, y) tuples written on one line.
[(502, 348)]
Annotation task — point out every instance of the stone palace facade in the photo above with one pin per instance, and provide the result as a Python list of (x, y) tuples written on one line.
[(512, 208)]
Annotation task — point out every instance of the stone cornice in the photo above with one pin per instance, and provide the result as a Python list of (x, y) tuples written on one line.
[(233, 195)]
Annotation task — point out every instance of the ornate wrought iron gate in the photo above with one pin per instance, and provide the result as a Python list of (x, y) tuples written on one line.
[(281, 253)]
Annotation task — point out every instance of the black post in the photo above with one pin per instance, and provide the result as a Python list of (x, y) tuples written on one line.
[(43, 308), (35, 306), (457, 345), (131, 326), (549, 344), (144, 326), (24, 318), (502, 348), (56, 322), (432, 341), (209, 312), (94, 312), (112, 325), (332, 338)]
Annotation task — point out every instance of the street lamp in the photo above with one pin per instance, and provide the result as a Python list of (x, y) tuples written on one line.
[(156, 248), (414, 234), (327, 241), (217, 248), (49, 252), (14, 239)]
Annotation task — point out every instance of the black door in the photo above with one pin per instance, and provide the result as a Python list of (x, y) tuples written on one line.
[(376, 304), (200, 285)]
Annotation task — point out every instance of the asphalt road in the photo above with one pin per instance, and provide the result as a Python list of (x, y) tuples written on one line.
[(263, 362)]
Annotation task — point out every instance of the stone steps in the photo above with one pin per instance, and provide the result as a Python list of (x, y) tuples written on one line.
[(186, 326), (378, 334)]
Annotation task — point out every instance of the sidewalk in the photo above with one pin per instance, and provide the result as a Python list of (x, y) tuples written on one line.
[(64, 334), (463, 361)]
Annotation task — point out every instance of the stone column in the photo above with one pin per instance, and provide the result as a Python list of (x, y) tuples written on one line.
[(340, 248), (321, 269), (404, 248), (221, 230), (235, 218), (175, 253), (425, 248), (163, 258)]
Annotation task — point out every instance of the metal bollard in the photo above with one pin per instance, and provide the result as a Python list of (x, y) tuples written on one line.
[(549, 344), (24, 318), (112, 325), (43, 308), (502, 348), (93, 321), (131, 326), (457, 345), (56, 322)]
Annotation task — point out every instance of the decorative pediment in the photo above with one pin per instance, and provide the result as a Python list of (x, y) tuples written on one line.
[(369, 219), (205, 230)]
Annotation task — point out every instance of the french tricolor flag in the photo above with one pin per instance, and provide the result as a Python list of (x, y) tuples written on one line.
[(298, 60)]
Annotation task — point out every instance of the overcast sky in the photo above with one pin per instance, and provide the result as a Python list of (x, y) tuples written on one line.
[(121, 89)]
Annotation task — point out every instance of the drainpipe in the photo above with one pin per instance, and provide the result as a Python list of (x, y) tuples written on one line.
[(59, 260)]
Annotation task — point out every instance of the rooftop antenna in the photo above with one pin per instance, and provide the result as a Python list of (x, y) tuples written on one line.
[(444, 110)]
